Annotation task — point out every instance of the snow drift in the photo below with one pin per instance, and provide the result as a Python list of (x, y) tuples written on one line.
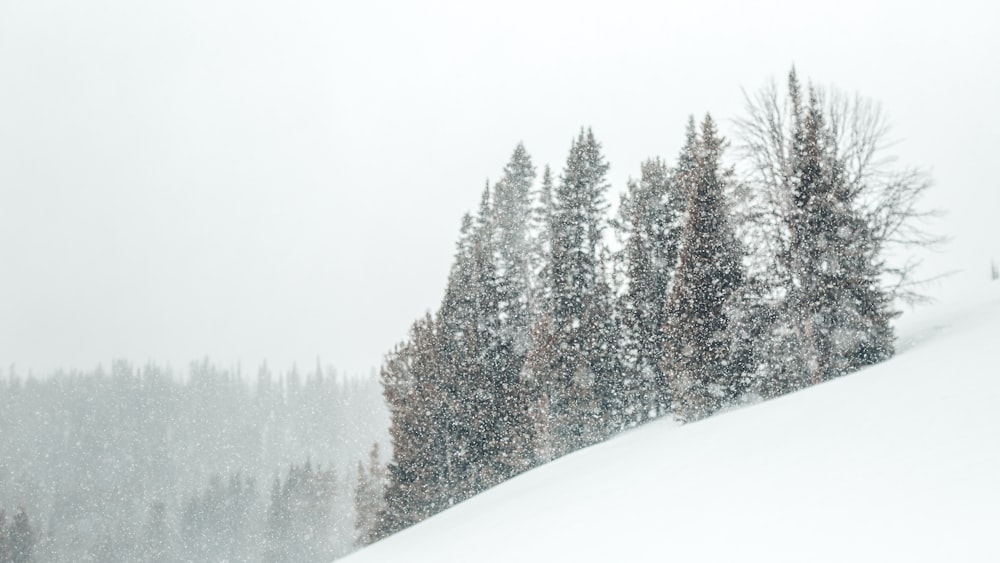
[(898, 462)]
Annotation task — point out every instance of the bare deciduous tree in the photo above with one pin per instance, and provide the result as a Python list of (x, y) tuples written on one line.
[(888, 194)]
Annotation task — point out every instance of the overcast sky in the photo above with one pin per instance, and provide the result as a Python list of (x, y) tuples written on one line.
[(283, 180)]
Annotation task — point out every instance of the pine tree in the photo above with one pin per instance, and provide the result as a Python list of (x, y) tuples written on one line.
[(833, 207), (300, 522), (541, 249), (510, 433), (572, 383), (511, 219), (471, 353), (421, 473), (158, 541), (841, 317), (649, 222), (369, 496), (440, 387), (4, 540), (603, 350), (698, 335), (543, 360), (21, 538)]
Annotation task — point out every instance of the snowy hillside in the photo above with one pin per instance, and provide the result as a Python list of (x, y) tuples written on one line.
[(899, 462)]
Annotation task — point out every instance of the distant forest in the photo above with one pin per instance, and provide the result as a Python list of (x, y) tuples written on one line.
[(145, 464), (732, 273)]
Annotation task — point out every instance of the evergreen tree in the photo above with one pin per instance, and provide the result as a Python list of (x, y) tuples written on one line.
[(472, 360), (840, 316), (300, 523), (420, 471), (574, 369), (510, 437), (698, 335), (832, 208), (510, 215), (577, 230), (158, 540), (541, 249), (21, 538), (4, 540), (649, 222), (470, 351), (369, 496), (603, 350)]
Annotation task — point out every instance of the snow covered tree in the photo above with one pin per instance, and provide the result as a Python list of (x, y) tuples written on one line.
[(507, 427), (698, 335), (649, 223), (541, 248), (573, 370), (369, 496), (299, 521), (159, 544), (419, 473), (219, 522), (21, 538), (461, 419), (510, 216), (840, 314), (4, 543), (830, 210)]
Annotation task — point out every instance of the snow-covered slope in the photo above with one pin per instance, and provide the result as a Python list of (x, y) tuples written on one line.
[(899, 462)]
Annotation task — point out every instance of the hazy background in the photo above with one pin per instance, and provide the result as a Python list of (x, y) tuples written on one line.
[(285, 180)]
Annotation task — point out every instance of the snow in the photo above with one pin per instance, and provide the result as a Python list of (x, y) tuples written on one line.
[(898, 462)]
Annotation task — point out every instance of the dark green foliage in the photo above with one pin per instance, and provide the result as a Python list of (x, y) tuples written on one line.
[(461, 416), (420, 474), (698, 332), (839, 314), (830, 208), (369, 496), (576, 384), (577, 226), (650, 223), (541, 249)]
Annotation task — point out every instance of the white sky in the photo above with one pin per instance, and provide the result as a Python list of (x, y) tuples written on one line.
[(285, 180)]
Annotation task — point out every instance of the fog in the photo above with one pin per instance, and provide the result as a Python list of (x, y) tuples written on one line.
[(281, 181)]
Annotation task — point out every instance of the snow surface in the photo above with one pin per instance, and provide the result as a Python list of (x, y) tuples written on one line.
[(898, 462)]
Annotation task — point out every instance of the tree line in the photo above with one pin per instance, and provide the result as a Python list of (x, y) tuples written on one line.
[(147, 464), (733, 279)]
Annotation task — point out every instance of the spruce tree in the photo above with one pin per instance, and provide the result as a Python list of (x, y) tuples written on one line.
[(649, 222), (577, 225), (541, 249), (4, 541), (511, 219), (21, 538), (699, 335), (841, 317), (158, 541), (831, 208), (369, 496), (420, 473)]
